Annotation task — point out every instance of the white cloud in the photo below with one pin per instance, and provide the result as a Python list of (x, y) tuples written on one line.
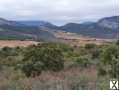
[(58, 10)]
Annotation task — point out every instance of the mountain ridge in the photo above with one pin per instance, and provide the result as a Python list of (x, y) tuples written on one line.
[(15, 30), (107, 27)]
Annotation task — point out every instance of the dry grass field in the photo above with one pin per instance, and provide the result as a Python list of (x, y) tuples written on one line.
[(65, 37), (79, 40), (15, 43)]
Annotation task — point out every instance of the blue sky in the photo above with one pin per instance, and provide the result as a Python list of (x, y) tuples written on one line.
[(58, 11)]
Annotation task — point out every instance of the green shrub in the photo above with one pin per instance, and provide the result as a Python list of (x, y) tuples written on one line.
[(117, 42), (40, 58), (83, 61), (90, 46), (110, 60), (101, 71)]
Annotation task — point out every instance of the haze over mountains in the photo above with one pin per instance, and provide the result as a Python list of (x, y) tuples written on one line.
[(107, 27)]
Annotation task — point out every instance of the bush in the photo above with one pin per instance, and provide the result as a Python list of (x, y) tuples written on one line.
[(90, 46), (101, 71), (109, 60), (83, 61), (117, 42), (40, 58), (95, 53)]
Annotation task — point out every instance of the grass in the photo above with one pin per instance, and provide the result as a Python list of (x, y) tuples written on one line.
[(67, 79)]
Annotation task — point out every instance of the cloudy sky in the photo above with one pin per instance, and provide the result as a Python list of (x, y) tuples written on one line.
[(58, 11)]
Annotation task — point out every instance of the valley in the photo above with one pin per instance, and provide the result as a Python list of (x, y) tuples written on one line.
[(59, 44), (80, 40), (24, 33)]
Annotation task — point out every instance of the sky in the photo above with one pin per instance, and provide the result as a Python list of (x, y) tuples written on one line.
[(58, 11)]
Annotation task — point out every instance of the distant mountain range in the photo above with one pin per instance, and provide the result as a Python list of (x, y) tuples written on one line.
[(107, 27), (104, 28), (24, 30)]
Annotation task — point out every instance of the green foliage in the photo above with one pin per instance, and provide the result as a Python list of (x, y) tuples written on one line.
[(90, 46), (83, 61), (101, 71), (40, 58), (50, 58), (117, 42), (110, 60), (7, 51), (95, 53), (110, 54)]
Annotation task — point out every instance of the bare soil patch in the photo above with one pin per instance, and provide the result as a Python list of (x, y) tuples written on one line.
[(15, 43)]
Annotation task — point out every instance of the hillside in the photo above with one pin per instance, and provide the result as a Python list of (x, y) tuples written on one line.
[(104, 28), (110, 22), (16, 30)]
